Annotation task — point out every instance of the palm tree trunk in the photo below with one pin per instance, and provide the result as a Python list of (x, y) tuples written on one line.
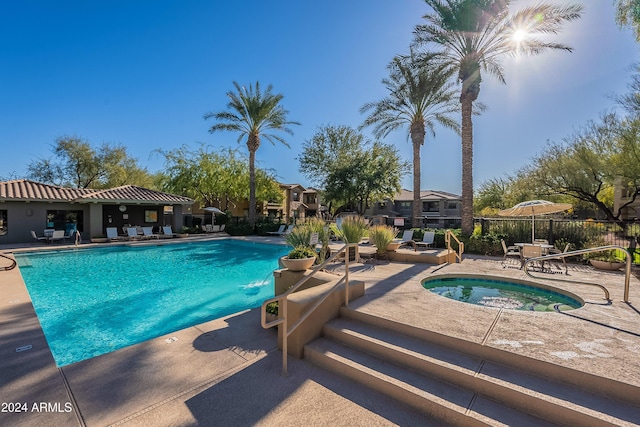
[(467, 165), (417, 139), (252, 188)]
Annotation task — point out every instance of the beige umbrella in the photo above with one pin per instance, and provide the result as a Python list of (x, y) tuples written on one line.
[(533, 208)]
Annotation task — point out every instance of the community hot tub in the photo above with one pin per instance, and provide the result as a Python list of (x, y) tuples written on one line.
[(500, 292)]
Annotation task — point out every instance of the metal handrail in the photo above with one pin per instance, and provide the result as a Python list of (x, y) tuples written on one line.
[(627, 274), (10, 267), (282, 302), (447, 239)]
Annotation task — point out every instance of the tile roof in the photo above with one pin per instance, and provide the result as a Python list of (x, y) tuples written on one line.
[(25, 190)]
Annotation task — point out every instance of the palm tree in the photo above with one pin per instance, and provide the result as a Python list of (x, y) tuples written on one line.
[(418, 98), (252, 112), (473, 35)]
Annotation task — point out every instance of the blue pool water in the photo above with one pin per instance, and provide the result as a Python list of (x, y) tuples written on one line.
[(500, 294), (94, 301)]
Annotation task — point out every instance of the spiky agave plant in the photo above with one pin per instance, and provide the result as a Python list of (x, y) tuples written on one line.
[(353, 229), (381, 236)]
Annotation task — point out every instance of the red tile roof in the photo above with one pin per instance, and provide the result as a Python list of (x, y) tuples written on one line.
[(25, 190)]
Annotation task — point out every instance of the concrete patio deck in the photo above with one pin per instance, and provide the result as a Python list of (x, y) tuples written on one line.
[(228, 371)]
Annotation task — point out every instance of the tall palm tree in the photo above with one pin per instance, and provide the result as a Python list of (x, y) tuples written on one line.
[(418, 98), (473, 35), (252, 112)]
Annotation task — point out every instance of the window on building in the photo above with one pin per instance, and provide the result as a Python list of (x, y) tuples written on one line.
[(69, 221), (431, 206), (310, 199), (295, 196), (452, 205), (3, 222)]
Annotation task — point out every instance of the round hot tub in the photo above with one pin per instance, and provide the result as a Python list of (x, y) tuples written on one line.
[(496, 292)]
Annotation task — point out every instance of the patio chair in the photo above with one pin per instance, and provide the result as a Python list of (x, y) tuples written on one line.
[(427, 239), (39, 238), (214, 228), (147, 233), (112, 234), (555, 251), (407, 239), (530, 251), (167, 232), (207, 228), (288, 230), (280, 230), (509, 252), (132, 233), (222, 227), (58, 235)]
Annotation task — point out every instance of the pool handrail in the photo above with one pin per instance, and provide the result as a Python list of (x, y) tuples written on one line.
[(447, 239), (627, 275), (11, 266), (282, 302)]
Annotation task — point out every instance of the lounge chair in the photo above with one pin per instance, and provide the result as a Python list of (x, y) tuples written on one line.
[(407, 239), (288, 230), (132, 233), (509, 252), (40, 239), (427, 239), (207, 228), (112, 234), (222, 227), (147, 233), (214, 228), (167, 231), (280, 230), (58, 235)]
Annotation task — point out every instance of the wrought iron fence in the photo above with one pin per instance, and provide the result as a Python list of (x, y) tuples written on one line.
[(581, 233)]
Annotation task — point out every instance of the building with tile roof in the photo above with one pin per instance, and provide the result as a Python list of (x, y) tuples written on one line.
[(27, 206)]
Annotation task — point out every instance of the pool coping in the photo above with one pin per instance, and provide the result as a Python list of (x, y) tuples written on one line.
[(162, 381)]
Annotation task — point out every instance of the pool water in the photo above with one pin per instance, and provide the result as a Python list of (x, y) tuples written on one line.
[(500, 294), (94, 301)]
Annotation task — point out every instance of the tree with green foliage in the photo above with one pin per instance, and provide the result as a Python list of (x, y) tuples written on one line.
[(215, 178), (587, 163), (352, 171), (628, 15), (473, 35), (419, 97), (253, 113), (77, 164)]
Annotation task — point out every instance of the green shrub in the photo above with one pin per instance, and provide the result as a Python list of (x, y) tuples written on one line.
[(381, 236), (302, 252), (300, 236), (354, 228)]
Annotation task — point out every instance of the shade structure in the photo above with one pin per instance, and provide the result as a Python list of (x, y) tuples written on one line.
[(533, 208)]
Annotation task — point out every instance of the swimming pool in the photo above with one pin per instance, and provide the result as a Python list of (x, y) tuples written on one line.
[(94, 301), (499, 293)]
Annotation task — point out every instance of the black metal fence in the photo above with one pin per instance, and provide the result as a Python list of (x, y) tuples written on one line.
[(581, 233)]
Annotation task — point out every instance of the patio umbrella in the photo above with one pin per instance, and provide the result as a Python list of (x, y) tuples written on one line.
[(533, 208), (213, 211)]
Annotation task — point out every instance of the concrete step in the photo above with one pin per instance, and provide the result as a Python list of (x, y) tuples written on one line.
[(479, 382), (448, 403)]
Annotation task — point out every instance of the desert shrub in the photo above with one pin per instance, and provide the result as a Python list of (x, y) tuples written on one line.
[(381, 236)]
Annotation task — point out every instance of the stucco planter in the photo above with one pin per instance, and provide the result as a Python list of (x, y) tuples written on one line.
[(99, 240), (606, 265), (393, 246), (297, 264), (182, 235)]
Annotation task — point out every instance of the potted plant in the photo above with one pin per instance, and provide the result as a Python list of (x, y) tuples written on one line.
[(605, 260), (382, 238), (184, 232), (299, 259), (352, 230)]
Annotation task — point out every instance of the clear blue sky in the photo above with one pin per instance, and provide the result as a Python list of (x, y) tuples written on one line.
[(143, 73)]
